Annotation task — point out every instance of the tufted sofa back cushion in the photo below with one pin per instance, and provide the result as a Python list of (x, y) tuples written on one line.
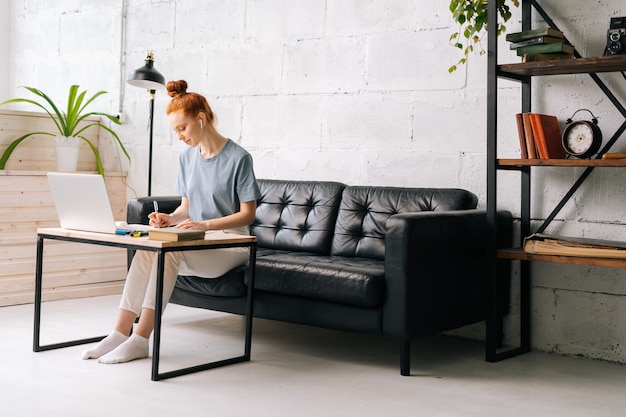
[(361, 224), (297, 215)]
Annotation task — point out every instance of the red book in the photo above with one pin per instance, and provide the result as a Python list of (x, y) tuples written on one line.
[(520, 133), (547, 135), (528, 135)]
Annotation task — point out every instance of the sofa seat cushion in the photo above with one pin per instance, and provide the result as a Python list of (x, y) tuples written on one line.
[(354, 281), (230, 284)]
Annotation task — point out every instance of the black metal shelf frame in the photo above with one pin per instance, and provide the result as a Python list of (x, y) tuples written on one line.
[(494, 322)]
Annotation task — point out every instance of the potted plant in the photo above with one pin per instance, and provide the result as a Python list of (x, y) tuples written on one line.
[(68, 123), (471, 15)]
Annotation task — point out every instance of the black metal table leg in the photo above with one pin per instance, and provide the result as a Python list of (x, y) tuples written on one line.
[(156, 350), (37, 347), (158, 310), (250, 301), (38, 274)]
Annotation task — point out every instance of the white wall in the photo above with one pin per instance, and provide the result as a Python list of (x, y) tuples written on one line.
[(5, 33), (349, 90)]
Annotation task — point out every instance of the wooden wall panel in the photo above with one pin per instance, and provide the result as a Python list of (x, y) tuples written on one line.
[(71, 270)]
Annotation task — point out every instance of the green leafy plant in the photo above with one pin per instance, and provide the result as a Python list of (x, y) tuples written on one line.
[(68, 122), (471, 15)]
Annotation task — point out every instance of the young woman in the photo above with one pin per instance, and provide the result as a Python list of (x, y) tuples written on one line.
[(219, 191)]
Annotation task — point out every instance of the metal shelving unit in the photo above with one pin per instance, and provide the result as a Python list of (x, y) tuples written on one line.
[(524, 72)]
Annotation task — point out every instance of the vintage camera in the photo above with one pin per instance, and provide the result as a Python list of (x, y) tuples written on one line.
[(616, 37)]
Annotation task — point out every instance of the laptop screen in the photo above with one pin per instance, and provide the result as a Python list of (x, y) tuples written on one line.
[(82, 202)]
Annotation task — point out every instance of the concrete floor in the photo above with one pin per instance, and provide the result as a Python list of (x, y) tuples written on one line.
[(295, 371)]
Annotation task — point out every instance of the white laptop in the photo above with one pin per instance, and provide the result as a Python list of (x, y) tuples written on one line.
[(82, 203)]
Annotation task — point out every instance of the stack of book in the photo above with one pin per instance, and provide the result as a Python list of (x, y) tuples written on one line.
[(540, 45), (539, 136), (175, 234), (542, 244)]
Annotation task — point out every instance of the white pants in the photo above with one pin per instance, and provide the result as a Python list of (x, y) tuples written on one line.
[(140, 287)]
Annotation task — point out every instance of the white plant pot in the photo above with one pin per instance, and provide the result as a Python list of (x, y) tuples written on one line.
[(67, 153)]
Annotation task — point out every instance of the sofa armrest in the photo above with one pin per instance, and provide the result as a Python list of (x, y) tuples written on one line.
[(137, 209), (436, 270)]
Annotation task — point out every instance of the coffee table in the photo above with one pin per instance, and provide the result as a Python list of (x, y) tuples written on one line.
[(213, 240)]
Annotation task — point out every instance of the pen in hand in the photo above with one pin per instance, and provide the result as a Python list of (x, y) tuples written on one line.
[(156, 213)]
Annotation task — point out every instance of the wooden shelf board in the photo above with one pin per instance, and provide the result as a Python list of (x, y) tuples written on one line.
[(520, 254), (562, 162), (566, 66)]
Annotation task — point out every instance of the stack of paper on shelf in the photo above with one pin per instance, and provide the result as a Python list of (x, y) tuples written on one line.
[(540, 45), (539, 243), (539, 136)]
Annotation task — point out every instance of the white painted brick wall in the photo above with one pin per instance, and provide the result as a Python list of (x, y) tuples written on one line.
[(345, 90), (412, 61), (283, 20), (290, 121), (5, 34), (317, 66)]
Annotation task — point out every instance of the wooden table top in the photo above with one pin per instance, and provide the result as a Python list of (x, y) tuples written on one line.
[(216, 237)]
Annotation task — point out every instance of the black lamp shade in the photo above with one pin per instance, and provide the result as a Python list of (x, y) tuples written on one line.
[(147, 77)]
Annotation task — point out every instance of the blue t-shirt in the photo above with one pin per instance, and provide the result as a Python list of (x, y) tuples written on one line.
[(217, 185)]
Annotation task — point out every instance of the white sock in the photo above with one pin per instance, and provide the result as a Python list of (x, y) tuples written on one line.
[(113, 340), (136, 347)]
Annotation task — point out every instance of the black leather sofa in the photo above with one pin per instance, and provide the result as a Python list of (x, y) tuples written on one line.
[(398, 262)]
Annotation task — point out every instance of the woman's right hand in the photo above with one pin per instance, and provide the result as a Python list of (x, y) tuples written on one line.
[(159, 219)]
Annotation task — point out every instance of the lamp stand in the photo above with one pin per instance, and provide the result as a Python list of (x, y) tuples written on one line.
[(149, 78), (152, 92)]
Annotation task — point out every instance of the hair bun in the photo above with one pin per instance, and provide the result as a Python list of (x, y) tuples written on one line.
[(176, 88)]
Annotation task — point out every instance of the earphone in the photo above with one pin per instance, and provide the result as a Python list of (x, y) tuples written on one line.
[(200, 123)]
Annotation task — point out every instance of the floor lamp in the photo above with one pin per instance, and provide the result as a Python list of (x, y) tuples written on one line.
[(150, 79)]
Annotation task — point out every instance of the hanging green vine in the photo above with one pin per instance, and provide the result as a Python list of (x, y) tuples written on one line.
[(471, 15)]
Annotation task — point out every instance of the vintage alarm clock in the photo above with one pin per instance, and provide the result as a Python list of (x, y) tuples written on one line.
[(582, 138)]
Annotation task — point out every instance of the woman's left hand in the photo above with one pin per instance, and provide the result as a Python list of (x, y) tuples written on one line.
[(190, 224)]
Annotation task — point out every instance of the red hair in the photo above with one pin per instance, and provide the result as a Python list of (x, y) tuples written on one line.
[(192, 104)]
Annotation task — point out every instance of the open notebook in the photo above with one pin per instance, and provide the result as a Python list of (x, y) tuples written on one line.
[(82, 203)]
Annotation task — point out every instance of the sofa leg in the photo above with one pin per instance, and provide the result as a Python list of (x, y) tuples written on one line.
[(405, 357)]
